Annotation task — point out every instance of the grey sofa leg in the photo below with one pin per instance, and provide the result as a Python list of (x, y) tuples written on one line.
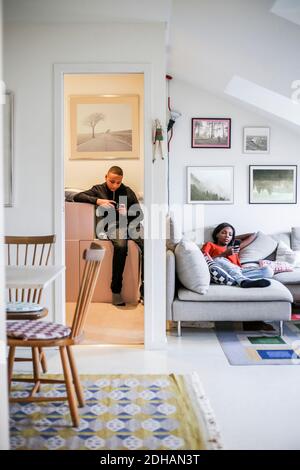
[(281, 328), (179, 328)]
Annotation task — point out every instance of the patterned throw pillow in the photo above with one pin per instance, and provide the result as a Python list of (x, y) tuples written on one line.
[(217, 274), (277, 266)]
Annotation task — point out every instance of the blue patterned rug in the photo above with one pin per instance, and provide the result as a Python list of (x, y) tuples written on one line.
[(122, 412), (258, 348)]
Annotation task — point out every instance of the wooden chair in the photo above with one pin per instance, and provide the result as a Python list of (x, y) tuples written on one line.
[(28, 251), (40, 334)]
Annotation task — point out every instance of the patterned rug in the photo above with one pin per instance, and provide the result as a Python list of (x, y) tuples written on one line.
[(257, 348), (122, 412)]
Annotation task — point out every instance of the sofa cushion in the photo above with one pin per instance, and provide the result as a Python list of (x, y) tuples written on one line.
[(35, 330), (275, 292), (285, 254), (260, 248), (295, 238), (289, 278), (277, 266), (191, 267), (284, 237)]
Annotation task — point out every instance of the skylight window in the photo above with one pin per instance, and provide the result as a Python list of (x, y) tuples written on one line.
[(287, 9), (264, 99)]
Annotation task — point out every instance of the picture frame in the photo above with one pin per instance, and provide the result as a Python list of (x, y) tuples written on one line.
[(256, 140), (273, 184), (210, 185), (211, 133), (104, 127), (8, 149)]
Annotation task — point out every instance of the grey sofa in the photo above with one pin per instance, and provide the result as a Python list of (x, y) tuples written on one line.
[(231, 303)]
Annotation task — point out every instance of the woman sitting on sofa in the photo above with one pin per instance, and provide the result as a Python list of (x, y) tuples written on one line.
[(225, 252)]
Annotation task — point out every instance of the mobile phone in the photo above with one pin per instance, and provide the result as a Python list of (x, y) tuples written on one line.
[(236, 243)]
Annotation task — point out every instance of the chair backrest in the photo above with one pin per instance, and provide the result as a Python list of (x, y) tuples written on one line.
[(93, 259), (28, 251)]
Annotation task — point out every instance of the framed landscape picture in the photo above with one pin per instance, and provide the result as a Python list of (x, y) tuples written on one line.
[(211, 133), (272, 184), (210, 184), (256, 140), (104, 127)]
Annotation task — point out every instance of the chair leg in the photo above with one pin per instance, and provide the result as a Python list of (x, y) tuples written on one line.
[(10, 365), (36, 370), (43, 360), (69, 387), (76, 381)]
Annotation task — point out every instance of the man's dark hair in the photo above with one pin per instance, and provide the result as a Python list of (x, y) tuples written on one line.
[(116, 170), (218, 230)]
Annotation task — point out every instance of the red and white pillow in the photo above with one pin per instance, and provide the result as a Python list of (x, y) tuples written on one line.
[(277, 266)]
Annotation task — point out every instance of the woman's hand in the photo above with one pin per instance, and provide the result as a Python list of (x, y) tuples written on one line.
[(231, 250)]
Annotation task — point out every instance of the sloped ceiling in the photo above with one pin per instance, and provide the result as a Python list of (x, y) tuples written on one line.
[(213, 41), (288, 9), (209, 42), (86, 11)]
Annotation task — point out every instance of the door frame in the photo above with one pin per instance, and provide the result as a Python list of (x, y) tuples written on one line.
[(4, 410), (154, 318)]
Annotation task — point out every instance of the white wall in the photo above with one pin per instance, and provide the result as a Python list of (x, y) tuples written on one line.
[(29, 55), (4, 432), (83, 174), (284, 150)]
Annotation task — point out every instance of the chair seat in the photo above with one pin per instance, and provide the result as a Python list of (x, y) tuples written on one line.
[(29, 330), (27, 315), (17, 307)]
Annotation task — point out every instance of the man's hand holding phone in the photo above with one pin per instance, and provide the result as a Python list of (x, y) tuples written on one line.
[(122, 209)]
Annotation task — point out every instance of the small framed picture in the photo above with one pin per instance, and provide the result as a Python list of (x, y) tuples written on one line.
[(210, 185), (272, 184), (256, 140), (211, 133)]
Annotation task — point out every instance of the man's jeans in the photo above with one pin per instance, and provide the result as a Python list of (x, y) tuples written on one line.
[(242, 274), (120, 245)]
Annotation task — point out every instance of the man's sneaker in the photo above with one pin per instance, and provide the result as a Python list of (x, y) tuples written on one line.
[(117, 299)]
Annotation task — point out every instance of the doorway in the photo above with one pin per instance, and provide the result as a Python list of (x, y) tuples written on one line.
[(154, 249), (103, 128)]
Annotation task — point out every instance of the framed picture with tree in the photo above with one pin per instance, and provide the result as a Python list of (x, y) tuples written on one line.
[(211, 133), (104, 127)]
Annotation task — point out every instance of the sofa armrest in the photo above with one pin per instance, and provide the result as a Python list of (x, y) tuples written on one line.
[(170, 284)]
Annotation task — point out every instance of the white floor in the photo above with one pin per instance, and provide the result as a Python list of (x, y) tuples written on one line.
[(257, 407)]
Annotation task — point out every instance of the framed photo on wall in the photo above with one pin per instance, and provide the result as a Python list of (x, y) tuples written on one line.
[(210, 184), (104, 127), (211, 133), (256, 140), (270, 184)]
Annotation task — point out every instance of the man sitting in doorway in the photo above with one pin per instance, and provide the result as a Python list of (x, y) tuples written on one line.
[(120, 214)]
